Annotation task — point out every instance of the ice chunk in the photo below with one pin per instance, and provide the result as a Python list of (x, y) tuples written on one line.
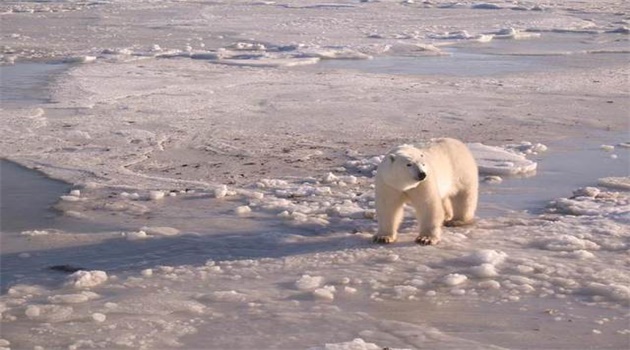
[(512, 33), (307, 282), (586, 192), (356, 344), (622, 183), (136, 235), (614, 292), (220, 191), (453, 279), (242, 210), (325, 293), (225, 296), (405, 291), (485, 256), (87, 279), (73, 298), (567, 242), (70, 198), (491, 284), (79, 59), (99, 317), (160, 230), (499, 161), (35, 233), (156, 195), (49, 313), (484, 271), (493, 179), (485, 6)]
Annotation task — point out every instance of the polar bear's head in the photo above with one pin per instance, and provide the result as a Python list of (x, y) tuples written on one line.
[(403, 167)]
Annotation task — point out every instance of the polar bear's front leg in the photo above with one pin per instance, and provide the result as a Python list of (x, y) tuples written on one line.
[(389, 213), (430, 213)]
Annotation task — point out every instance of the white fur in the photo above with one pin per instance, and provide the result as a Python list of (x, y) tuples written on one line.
[(446, 195)]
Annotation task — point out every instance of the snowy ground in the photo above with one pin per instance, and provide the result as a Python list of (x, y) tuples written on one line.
[(220, 156)]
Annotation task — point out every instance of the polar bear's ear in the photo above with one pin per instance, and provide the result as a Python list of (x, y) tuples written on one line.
[(392, 157)]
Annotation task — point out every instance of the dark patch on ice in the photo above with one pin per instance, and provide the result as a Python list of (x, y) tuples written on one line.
[(65, 268)]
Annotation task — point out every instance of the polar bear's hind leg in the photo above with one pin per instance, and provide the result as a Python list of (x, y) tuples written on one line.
[(464, 207)]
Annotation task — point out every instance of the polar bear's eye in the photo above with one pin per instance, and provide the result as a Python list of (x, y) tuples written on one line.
[(408, 164)]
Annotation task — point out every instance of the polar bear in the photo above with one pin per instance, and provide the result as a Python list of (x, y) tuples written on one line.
[(439, 179)]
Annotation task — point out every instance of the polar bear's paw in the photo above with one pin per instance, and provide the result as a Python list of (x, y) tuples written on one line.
[(427, 240), (383, 239)]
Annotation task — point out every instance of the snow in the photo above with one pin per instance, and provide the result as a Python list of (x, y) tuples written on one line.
[(220, 175)]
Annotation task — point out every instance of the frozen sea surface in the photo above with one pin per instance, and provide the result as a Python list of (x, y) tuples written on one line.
[(25, 84), (550, 51), (26, 198)]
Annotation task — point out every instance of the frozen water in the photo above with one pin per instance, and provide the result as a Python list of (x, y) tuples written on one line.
[(26, 198), (27, 83), (496, 57)]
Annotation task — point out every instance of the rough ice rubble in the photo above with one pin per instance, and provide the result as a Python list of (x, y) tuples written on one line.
[(556, 264), (372, 274), (355, 344), (591, 201), (248, 53), (343, 196)]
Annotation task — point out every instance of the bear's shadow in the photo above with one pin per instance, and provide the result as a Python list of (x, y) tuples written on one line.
[(127, 257)]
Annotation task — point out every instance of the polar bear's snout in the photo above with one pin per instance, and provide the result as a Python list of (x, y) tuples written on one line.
[(417, 172)]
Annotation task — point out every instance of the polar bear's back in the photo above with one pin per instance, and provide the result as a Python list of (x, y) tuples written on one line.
[(455, 163)]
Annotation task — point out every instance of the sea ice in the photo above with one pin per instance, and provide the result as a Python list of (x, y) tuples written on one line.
[(87, 279), (160, 230), (307, 282), (498, 161), (485, 256), (621, 183), (356, 344), (325, 293), (453, 279), (156, 195)]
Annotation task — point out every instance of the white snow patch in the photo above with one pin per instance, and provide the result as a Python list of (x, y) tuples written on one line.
[(483, 271), (156, 195), (99, 317), (242, 210), (567, 242), (159, 231), (485, 256), (87, 279), (453, 279), (325, 293), (307, 282)]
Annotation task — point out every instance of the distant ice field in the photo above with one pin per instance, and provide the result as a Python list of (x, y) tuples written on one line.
[(461, 57)]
